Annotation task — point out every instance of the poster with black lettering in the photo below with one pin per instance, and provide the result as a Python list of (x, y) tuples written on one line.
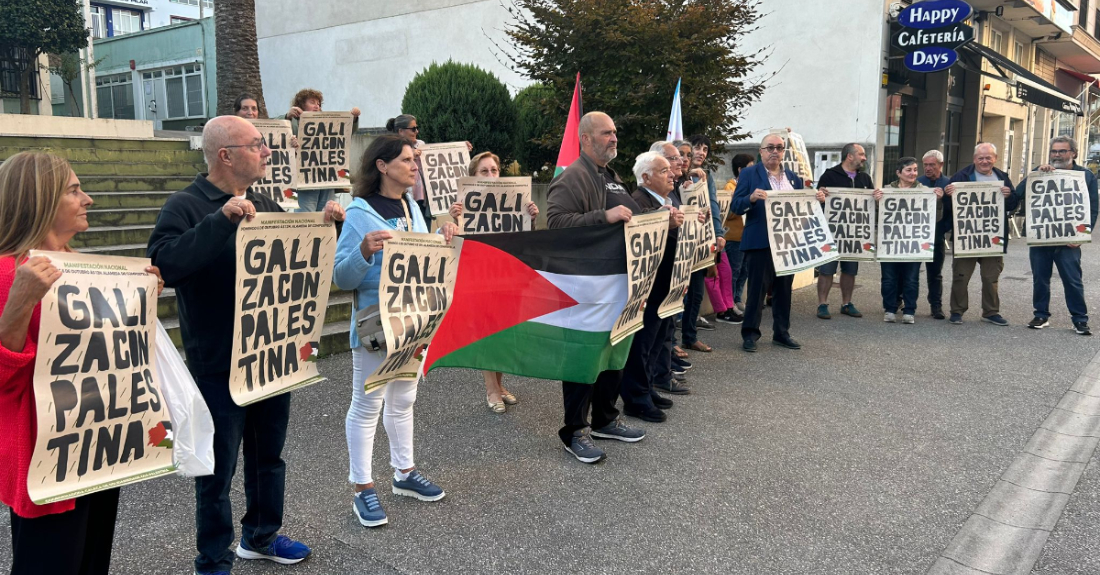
[(284, 270), (795, 156), (1058, 209), (690, 236), (799, 236), (850, 213), (414, 293), (494, 205), (698, 196), (324, 156), (278, 182), (979, 220), (102, 420), (725, 201), (906, 224), (443, 165), (645, 245)]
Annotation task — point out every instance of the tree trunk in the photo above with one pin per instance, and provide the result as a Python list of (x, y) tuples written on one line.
[(238, 61)]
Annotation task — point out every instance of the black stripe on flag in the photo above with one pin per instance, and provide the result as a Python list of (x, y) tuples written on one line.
[(584, 251)]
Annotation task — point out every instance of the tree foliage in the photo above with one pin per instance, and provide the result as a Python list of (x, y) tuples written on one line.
[(30, 28), (630, 53), (456, 102), (536, 143), (237, 59)]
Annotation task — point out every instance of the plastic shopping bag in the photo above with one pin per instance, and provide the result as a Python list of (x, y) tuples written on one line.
[(192, 426)]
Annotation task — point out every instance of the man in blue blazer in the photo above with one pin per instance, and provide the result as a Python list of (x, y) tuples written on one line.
[(752, 188)]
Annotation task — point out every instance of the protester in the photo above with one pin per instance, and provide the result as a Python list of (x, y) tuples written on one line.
[(735, 224), (587, 193), (640, 399), (194, 244), (382, 204), (1063, 153), (406, 126), (752, 188), (487, 165), (905, 274), (691, 322), (982, 170), (41, 208), (933, 178), (310, 100), (246, 106), (849, 173), (719, 279)]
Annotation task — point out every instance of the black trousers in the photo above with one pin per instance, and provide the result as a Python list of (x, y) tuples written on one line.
[(761, 274), (934, 268), (600, 396), (76, 542), (261, 428), (637, 384)]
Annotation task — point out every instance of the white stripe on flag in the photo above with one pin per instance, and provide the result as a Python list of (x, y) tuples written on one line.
[(600, 301)]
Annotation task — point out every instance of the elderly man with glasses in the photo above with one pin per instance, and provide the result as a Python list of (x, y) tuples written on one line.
[(194, 245)]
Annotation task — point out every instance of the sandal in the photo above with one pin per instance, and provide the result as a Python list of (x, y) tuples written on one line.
[(495, 406), (508, 397), (679, 352), (700, 346)]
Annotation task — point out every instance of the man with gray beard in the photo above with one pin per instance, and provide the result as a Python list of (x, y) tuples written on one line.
[(1063, 152)]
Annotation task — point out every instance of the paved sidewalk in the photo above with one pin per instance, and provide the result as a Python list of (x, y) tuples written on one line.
[(863, 453)]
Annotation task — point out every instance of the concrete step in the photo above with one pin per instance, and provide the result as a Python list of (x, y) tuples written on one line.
[(25, 142), (82, 156), (137, 169), (122, 217), (112, 236), (128, 200), (124, 250), (161, 183)]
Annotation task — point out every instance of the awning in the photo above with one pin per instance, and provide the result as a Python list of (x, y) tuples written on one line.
[(1029, 87), (1084, 78)]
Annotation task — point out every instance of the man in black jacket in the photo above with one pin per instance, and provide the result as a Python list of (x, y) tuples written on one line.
[(194, 245), (847, 174), (589, 193)]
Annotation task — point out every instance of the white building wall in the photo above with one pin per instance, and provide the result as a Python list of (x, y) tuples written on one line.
[(365, 54), (163, 10)]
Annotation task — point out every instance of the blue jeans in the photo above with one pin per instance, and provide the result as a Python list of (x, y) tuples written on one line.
[(737, 270), (261, 426), (1068, 260), (905, 274), (314, 200), (693, 300)]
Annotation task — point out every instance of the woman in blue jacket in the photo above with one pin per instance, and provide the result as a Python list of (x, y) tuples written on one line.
[(381, 205)]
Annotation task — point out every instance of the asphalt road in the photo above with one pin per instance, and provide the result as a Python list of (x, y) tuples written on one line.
[(863, 453)]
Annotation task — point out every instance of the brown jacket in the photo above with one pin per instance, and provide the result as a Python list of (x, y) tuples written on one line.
[(577, 197)]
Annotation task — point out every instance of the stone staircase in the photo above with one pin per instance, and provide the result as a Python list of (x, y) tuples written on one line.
[(129, 181)]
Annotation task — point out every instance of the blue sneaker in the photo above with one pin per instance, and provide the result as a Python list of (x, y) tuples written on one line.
[(418, 486), (956, 318), (283, 550), (369, 509), (996, 320)]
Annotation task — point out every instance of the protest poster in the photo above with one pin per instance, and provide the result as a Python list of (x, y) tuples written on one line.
[(414, 293), (443, 165), (795, 156), (689, 237), (725, 201), (284, 271), (850, 213), (799, 236), (979, 210), (698, 196), (494, 205), (102, 420), (1058, 209), (645, 245), (278, 180), (324, 156), (906, 224)]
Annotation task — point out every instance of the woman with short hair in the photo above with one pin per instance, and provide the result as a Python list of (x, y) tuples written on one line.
[(310, 100), (901, 275)]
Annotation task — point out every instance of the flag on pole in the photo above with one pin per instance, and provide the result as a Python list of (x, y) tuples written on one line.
[(675, 120), (570, 142)]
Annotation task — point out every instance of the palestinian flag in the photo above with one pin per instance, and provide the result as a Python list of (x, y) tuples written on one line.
[(309, 351), (571, 141), (161, 435), (538, 304)]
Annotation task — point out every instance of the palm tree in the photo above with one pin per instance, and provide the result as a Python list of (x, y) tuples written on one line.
[(238, 62)]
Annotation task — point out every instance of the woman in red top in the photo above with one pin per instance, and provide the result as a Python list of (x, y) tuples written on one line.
[(41, 207)]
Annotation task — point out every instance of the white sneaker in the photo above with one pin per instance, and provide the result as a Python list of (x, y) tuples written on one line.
[(890, 317), (907, 318)]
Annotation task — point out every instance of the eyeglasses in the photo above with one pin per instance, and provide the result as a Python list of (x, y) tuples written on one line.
[(675, 158), (255, 146), (412, 129), (774, 149), (1059, 152)]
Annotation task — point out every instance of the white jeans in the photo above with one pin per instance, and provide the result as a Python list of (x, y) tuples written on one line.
[(362, 419)]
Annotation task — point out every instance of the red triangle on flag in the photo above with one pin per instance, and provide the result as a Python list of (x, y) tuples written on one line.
[(493, 292)]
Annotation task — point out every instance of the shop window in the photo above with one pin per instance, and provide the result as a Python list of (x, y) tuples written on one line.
[(183, 89), (115, 96)]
